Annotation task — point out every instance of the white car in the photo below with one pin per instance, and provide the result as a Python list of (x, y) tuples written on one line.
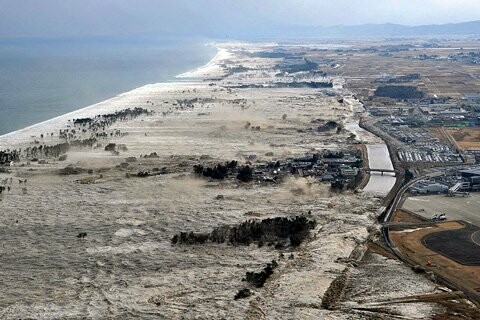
[(439, 217)]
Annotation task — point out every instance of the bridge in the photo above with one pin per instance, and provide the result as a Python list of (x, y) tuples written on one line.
[(382, 171)]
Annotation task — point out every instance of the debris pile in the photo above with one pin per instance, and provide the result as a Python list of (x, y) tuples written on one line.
[(258, 279), (7, 156), (243, 293), (70, 169), (147, 173)]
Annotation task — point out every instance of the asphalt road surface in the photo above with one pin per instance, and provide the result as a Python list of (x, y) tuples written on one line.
[(456, 208), (458, 245)]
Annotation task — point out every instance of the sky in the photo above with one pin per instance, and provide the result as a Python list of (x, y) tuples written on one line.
[(78, 18)]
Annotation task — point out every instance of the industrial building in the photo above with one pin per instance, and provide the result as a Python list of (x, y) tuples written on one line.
[(428, 187)]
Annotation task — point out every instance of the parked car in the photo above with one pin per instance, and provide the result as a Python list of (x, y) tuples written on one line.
[(439, 217)]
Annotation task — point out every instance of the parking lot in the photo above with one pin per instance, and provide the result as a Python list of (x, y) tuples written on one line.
[(456, 208)]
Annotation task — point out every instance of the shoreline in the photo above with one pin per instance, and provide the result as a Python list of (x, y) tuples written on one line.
[(174, 81), (221, 54), (179, 79)]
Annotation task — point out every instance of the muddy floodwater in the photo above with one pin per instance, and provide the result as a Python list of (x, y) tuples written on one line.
[(89, 235), (379, 158)]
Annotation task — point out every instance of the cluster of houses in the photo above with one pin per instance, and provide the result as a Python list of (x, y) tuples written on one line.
[(450, 114), (327, 166), (430, 114)]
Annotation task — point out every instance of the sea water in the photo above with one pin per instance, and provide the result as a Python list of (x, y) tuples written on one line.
[(42, 79)]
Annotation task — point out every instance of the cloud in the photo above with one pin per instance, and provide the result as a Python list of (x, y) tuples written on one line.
[(207, 17)]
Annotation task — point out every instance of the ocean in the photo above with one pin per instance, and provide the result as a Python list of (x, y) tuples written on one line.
[(43, 79)]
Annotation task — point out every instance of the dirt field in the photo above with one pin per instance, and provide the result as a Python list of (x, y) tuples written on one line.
[(409, 242), (440, 133), (438, 77), (402, 216), (466, 138)]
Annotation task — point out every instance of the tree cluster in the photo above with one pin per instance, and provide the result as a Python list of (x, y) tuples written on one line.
[(285, 230), (307, 65), (111, 118), (399, 92), (218, 172)]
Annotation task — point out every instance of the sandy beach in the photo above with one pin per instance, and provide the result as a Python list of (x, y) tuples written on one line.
[(129, 199)]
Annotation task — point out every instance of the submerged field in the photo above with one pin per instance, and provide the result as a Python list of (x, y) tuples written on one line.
[(96, 242)]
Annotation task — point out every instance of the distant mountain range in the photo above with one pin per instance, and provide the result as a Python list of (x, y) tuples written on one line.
[(368, 30), (385, 30), (269, 32)]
